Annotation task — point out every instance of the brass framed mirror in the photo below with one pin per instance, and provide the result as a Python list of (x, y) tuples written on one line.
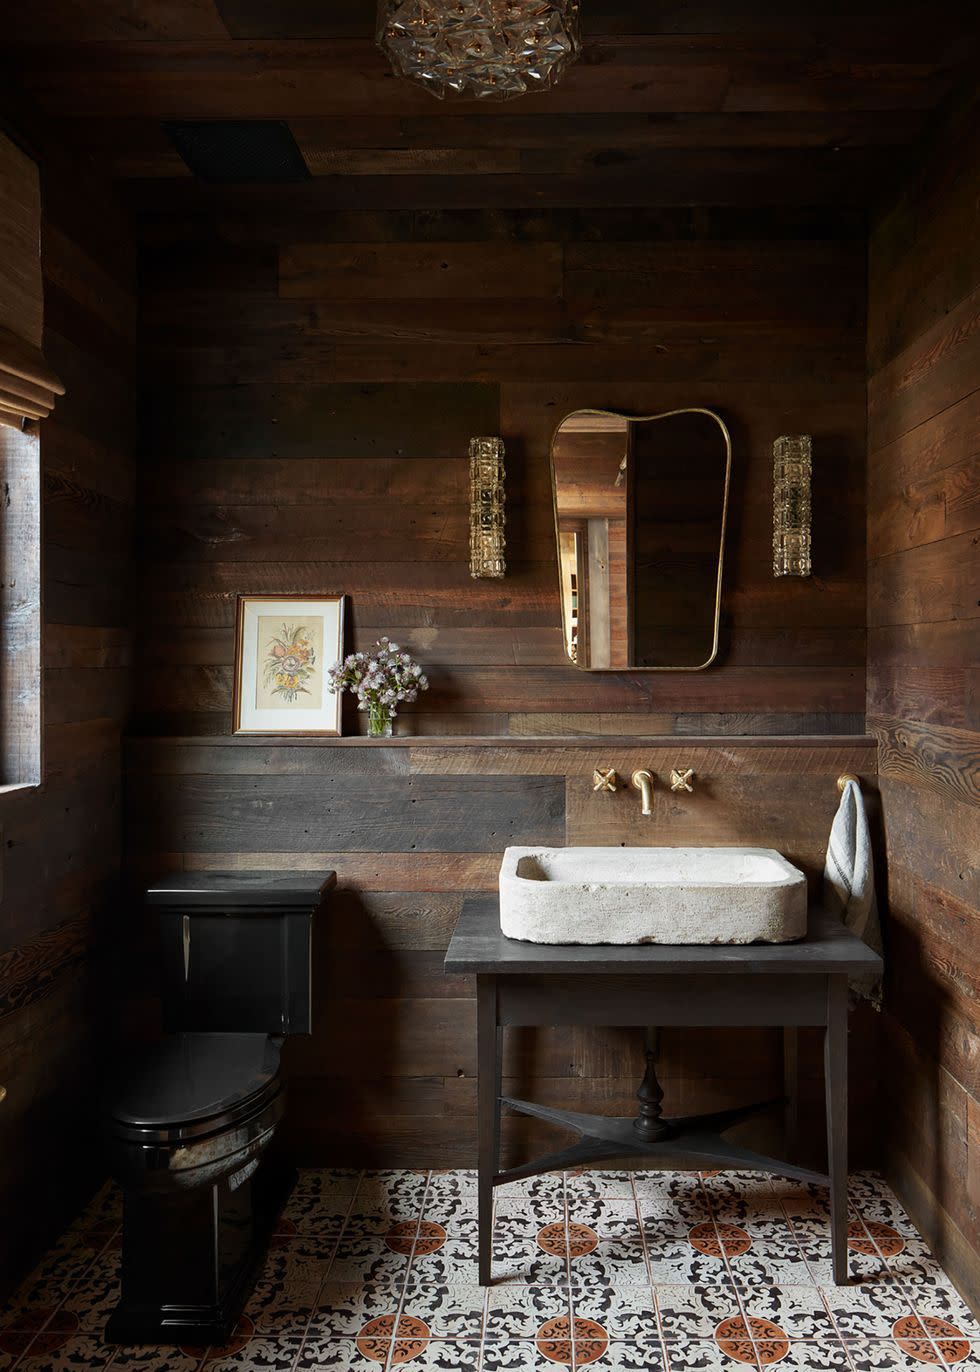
[(640, 505)]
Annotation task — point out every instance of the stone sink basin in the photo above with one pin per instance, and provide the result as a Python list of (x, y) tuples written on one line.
[(651, 895)]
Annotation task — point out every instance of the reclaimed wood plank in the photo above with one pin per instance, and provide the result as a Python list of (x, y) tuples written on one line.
[(390, 271), (944, 760), (296, 814)]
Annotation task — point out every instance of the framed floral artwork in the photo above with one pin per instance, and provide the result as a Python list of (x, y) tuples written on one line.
[(284, 648)]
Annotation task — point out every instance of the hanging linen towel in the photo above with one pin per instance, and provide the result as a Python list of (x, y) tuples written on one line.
[(849, 881)]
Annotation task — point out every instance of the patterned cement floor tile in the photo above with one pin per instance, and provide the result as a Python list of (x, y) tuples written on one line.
[(456, 1214), (53, 1354), (454, 1180), (821, 1355), (620, 1357), (448, 1311), (343, 1308), (550, 1184), (945, 1303), (798, 1310), (602, 1181), (370, 1260), (515, 1313), (624, 1312), (866, 1312), (518, 1356), (694, 1312), (165, 1359), (610, 1217), (441, 1355), (512, 1213), (648, 1272), (887, 1355), (704, 1355), (679, 1263), (611, 1264), (916, 1265), (259, 1355), (340, 1355), (12, 1346)]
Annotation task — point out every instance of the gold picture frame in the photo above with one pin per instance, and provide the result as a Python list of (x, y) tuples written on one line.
[(284, 646)]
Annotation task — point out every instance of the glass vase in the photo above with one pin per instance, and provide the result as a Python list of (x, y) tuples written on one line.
[(381, 721)]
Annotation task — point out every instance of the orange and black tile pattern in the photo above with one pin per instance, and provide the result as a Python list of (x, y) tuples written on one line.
[(633, 1272)]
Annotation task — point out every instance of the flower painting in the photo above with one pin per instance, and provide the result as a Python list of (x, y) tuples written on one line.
[(281, 645), (290, 663)]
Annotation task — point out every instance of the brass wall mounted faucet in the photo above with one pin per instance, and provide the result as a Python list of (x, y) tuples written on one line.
[(643, 781)]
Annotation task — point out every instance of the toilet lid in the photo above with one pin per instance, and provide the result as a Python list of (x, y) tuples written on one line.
[(188, 1077)]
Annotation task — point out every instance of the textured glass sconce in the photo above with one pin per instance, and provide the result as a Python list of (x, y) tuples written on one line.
[(791, 471), (488, 49), (487, 507)]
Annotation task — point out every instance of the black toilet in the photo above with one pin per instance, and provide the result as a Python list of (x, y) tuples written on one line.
[(190, 1119)]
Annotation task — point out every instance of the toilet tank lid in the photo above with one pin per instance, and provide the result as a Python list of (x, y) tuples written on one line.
[(234, 890)]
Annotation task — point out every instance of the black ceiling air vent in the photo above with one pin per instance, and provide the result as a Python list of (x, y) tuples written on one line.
[(252, 150)]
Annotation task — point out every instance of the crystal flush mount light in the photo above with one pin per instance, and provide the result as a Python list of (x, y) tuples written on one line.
[(791, 471), (487, 507), (480, 49)]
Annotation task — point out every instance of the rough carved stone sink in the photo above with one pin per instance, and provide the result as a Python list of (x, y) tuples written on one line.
[(651, 895)]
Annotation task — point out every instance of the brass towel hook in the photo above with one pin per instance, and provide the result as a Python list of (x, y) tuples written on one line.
[(844, 778)]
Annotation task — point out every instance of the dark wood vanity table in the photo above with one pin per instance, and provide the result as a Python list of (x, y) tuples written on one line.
[(531, 984)]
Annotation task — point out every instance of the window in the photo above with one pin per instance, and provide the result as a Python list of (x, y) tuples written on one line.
[(27, 395), (20, 608)]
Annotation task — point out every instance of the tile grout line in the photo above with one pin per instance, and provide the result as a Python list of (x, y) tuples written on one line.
[(746, 1317), (906, 1293), (399, 1308), (326, 1276)]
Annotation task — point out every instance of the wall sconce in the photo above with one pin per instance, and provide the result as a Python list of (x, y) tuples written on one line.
[(792, 467), (487, 507)]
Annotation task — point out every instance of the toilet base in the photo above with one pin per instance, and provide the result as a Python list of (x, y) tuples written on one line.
[(190, 1258)]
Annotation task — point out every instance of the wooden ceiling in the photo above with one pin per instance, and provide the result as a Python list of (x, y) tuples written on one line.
[(717, 102)]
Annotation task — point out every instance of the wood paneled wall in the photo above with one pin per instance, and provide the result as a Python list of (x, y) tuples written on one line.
[(62, 842), (314, 379), (389, 1075), (924, 686)]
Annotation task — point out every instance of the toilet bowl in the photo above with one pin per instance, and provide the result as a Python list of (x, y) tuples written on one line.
[(189, 1119), (195, 1109)]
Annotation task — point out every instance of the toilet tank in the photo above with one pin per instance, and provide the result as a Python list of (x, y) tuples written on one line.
[(237, 948)]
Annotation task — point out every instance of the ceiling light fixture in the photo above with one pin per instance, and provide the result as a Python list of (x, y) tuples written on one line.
[(480, 49)]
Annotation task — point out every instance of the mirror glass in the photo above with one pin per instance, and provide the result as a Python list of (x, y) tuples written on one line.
[(640, 505)]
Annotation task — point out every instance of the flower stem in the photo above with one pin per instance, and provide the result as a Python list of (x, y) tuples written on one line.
[(379, 720)]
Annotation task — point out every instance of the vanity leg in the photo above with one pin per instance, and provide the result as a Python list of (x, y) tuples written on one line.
[(791, 1090), (835, 1085), (488, 1114), (499, 1089)]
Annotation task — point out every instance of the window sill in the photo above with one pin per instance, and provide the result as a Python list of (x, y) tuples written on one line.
[(17, 788)]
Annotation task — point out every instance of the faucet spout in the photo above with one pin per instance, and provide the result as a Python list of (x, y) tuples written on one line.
[(643, 781)]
